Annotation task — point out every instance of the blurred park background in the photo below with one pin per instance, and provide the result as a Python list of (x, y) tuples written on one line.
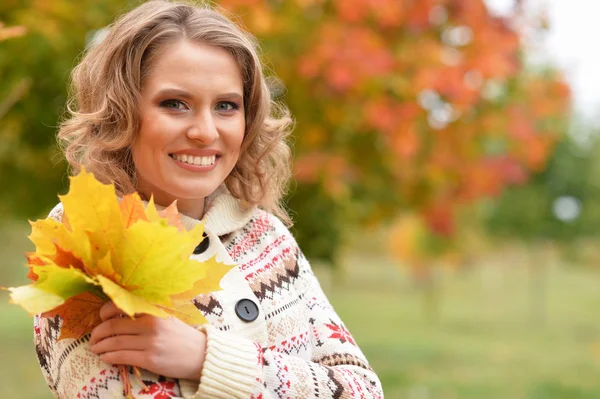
[(447, 182)]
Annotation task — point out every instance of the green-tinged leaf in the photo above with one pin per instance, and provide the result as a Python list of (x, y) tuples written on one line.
[(33, 299), (61, 281)]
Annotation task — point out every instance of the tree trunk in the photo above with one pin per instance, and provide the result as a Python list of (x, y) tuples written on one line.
[(538, 287), (430, 291)]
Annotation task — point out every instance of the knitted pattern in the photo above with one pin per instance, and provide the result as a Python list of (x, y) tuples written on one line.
[(297, 347)]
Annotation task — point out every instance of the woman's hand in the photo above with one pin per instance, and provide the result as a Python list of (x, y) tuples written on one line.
[(167, 347)]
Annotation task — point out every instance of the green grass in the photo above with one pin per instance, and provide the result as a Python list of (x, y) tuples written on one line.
[(487, 340), (491, 337)]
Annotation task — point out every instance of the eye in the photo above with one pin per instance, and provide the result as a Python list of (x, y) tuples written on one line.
[(174, 104), (226, 106)]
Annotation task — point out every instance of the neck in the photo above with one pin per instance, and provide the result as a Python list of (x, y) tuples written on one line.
[(193, 208)]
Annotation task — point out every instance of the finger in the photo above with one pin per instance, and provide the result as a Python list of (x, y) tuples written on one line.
[(130, 358), (119, 343), (116, 326), (109, 310)]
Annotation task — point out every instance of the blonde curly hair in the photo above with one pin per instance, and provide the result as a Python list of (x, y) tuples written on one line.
[(103, 116)]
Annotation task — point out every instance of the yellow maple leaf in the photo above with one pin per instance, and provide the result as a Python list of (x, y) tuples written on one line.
[(147, 243), (93, 210), (214, 272), (186, 312), (52, 240), (128, 302), (107, 249)]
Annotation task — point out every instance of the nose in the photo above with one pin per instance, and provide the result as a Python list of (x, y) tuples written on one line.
[(203, 128)]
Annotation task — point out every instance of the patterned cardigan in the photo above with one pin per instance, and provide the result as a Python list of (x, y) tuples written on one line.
[(297, 347)]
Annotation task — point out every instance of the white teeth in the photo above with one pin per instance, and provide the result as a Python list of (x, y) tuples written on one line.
[(195, 160)]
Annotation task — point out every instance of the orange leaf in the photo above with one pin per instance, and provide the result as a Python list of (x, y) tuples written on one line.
[(172, 215), (31, 275), (132, 209), (66, 258), (33, 260), (80, 314)]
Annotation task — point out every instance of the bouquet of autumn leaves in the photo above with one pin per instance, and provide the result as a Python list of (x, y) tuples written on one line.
[(106, 249)]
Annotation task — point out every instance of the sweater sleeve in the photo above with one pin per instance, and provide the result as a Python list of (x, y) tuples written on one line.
[(236, 367)]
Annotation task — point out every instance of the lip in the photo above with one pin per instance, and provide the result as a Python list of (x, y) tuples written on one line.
[(197, 152)]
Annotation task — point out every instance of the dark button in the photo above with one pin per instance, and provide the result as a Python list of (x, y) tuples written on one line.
[(246, 310), (203, 246)]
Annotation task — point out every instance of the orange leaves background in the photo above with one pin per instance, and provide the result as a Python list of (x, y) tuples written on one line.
[(400, 105), (432, 96)]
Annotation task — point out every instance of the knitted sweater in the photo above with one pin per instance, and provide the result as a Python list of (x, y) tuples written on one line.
[(297, 347)]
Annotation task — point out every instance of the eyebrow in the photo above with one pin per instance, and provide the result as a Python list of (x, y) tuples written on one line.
[(173, 92), (184, 94)]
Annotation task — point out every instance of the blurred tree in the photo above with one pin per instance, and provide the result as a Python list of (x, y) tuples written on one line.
[(6, 33), (402, 105), (34, 71), (560, 204)]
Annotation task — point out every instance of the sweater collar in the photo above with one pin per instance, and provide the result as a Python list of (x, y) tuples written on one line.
[(223, 214)]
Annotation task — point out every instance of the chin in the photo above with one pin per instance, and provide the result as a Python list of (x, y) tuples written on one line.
[(194, 193)]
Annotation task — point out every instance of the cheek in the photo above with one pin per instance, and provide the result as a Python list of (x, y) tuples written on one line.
[(151, 137), (153, 126)]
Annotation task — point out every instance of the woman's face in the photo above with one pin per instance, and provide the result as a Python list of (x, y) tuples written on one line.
[(192, 124)]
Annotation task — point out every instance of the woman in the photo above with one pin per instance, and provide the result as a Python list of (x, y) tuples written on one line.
[(173, 104)]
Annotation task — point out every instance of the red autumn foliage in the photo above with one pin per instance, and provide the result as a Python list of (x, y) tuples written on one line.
[(430, 95)]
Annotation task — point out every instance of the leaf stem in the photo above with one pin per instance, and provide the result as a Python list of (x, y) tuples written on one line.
[(126, 382)]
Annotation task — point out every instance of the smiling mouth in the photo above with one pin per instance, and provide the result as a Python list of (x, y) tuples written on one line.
[(195, 160)]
